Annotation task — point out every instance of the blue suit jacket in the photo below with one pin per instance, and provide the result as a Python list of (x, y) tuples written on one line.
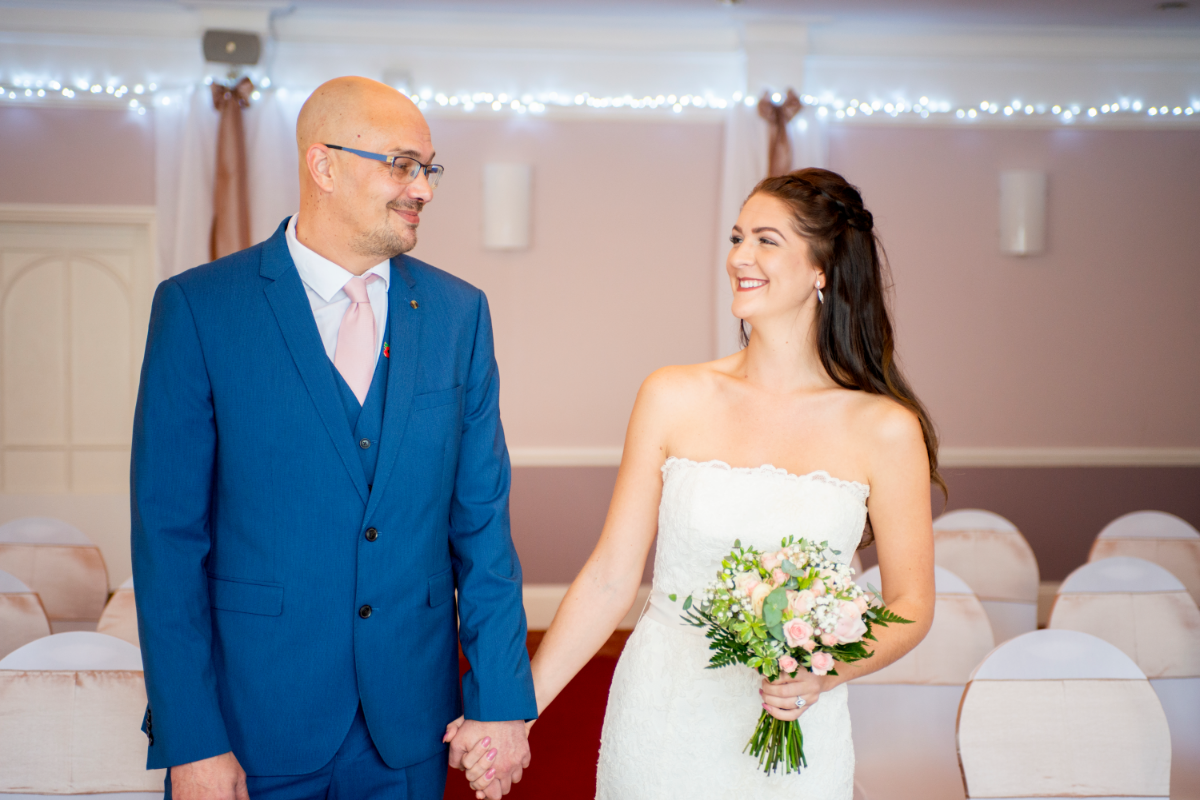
[(250, 506)]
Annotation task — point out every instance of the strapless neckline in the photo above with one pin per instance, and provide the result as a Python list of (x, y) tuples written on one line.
[(860, 490)]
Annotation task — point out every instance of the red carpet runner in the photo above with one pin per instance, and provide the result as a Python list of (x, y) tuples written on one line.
[(566, 739)]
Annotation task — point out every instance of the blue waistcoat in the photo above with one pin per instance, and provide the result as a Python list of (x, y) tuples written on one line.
[(366, 420)]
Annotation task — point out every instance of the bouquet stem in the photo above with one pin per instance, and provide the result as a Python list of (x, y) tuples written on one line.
[(777, 743)]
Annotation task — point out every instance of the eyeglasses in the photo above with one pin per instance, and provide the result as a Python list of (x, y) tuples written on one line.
[(404, 170)]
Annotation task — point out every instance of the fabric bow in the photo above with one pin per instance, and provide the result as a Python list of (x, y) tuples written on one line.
[(779, 150)]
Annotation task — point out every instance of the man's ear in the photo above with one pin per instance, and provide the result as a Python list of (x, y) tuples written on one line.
[(320, 167)]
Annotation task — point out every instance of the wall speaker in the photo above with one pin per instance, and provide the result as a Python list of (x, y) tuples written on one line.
[(507, 196), (1022, 212)]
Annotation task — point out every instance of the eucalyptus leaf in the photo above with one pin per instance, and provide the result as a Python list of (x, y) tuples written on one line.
[(686, 603), (672, 598), (791, 569)]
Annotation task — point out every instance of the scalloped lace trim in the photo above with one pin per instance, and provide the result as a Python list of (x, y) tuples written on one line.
[(861, 490)]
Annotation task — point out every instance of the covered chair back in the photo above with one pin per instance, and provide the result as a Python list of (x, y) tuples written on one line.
[(1059, 713), (990, 554), (22, 618), (120, 615), (62, 565), (1155, 536), (71, 707), (1144, 610), (903, 715)]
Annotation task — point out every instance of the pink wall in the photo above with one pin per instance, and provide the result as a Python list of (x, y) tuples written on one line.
[(617, 281), (78, 156), (1094, 343)]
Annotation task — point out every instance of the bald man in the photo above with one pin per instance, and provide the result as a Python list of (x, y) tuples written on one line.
[(318, 466)]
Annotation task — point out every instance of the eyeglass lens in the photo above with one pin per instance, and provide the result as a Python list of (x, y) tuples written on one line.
[(405, 170)]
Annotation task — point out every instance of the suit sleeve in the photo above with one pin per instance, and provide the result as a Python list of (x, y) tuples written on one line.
[(171, 478), (492, 631)]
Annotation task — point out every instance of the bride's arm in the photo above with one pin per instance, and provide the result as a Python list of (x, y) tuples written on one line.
[(899, 506), (606, 587)]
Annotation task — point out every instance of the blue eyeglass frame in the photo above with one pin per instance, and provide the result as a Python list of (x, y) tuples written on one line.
[(433, 172)]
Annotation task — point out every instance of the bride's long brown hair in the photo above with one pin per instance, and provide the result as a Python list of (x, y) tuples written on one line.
[(854, 332)]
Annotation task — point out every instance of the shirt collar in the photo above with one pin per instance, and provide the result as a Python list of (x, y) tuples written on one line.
[(322, 275)]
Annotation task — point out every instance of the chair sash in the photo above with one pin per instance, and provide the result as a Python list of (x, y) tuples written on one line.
[(74, 732), (1180, 556), (120, 617), (1063, 738), (1160, 631), (70, 579)]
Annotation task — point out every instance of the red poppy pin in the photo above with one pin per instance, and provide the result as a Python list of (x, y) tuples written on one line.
[(387, 351)]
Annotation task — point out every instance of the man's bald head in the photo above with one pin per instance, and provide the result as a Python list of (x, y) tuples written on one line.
[(357, 207), (349, 111)]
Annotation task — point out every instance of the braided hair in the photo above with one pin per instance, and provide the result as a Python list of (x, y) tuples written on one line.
[(854, 331)]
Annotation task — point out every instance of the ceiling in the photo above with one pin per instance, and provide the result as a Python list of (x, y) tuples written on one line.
[(1087, 13)]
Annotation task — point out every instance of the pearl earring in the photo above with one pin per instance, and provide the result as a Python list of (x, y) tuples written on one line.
[(820, 297)]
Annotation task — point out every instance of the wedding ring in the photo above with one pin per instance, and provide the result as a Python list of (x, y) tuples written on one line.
[(800, 702)]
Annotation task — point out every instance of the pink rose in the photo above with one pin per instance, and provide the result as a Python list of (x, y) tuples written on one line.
[(818, 587), (796, 632), (745, 581), (850, 627), (828, 639), (809, 645), (862, 604), (821, 663), (801, 602), (758, 595), (788, 664), (778, 577), (771, 560)]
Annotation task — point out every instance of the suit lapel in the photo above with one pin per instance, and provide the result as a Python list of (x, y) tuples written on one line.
[(288, 300), (404, 339)]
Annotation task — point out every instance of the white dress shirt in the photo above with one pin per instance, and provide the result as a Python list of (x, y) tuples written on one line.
[(324, 282)]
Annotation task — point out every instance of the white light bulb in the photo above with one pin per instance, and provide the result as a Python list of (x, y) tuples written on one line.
[(1153, 111), (1104, 108), (1028, 109), (166, 101), (984, 105), (55, 85), (924, 100), (971, 113), (1176, 110), (266, 82), (822, 111), (776, 98), (749, 101), (841, 114), (1056, 109), (960, 113), (133, 103), (1091, 112), (496, 105)]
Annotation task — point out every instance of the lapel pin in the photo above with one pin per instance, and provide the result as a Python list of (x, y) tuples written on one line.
[(412, 303), (387, 351)]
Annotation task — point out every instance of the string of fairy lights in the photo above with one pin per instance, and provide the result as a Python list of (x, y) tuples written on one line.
[(137, 96)]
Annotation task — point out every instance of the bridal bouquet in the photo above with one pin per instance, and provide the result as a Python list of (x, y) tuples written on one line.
[(796, 608)]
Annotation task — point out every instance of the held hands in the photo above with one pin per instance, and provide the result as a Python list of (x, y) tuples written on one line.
[(217, 778), (779, 696), (494, 754)]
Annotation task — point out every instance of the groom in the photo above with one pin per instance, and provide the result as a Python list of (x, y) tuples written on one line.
[(318, 464)]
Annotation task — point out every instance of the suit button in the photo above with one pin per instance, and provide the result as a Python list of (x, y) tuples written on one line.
[(372, 534), (364, 443), (364, 612)]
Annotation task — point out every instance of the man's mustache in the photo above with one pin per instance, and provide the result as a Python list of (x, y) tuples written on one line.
[(411, 205)]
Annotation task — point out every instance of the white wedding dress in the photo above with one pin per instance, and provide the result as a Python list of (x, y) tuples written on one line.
[(674, 729)]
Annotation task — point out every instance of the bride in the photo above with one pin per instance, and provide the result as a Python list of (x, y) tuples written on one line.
[(806, 431)]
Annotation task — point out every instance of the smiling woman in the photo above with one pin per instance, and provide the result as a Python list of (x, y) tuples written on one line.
[(854, 329)]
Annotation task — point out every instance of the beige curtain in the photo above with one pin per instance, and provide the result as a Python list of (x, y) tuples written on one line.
[(779, 150), (231, 196)]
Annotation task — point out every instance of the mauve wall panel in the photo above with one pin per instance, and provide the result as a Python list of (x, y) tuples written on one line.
[(557, 512)]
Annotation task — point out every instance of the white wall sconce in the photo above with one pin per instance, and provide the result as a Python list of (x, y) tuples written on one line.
[(507, 195), (1022, 212)]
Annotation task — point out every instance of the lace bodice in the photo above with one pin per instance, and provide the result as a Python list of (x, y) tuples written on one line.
[(673, 728), (706, 505)]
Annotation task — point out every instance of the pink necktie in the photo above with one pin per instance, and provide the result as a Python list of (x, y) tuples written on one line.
[(354, 355)]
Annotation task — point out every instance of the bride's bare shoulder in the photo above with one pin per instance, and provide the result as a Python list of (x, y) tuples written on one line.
[(680, 387)]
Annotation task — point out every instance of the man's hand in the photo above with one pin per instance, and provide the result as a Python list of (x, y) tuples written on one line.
[(507, 752), (217, 778)]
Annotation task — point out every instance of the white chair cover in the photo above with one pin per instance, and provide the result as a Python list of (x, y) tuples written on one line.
[(59, 563), (120, 615), (1144, 610), (1155, 536), (903, 716), (71, 707), (990, 554), (22, 618), (1059, 713)]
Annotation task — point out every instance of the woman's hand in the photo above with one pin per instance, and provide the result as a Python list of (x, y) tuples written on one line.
[(779, 696)]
